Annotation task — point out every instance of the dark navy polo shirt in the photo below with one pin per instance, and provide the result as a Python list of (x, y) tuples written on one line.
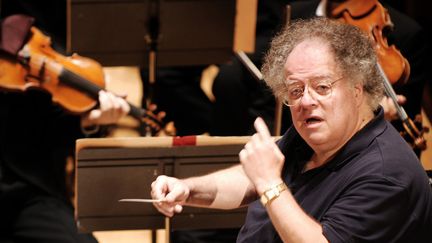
[(375, 190)]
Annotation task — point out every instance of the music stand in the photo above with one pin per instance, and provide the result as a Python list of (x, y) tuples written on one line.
[(109, 169), (187, 32), (151, 33)]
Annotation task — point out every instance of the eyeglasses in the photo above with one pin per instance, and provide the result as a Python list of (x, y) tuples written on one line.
[(319, 89)]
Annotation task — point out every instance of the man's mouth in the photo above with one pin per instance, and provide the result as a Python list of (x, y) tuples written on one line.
[(313, 120)]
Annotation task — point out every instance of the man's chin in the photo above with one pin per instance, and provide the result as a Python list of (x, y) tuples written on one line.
[(315, 139)]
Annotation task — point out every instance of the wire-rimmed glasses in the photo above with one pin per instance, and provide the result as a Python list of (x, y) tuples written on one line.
[(318, 89)]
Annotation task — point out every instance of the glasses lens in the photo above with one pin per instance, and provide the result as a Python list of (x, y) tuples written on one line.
[(319, 89), (294, 93), (322, 89)]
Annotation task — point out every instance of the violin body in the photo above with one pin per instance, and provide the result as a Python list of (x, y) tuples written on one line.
[(42, 73), (74, 81), (45, 67), (12, 74), (371, 17)]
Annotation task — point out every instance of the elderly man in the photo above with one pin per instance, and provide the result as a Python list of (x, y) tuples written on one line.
[(340, 174)]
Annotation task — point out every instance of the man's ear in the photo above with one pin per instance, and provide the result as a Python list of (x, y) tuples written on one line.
[(358, 93)]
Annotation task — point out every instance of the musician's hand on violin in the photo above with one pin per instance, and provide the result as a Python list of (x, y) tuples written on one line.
[(111, 109), (390, 112), (154, 119), (168, 129), (160, 115)]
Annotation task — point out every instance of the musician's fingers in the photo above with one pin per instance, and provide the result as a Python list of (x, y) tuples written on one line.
[(262, 129), (104, 101), (390, 112), (178, 208), (243, 155), (177, 194), (161, 115), (165, 208), (114, 102), (401, 99), (94, 115), (151, 123), (124, 106), (159, 187), (152, 107)]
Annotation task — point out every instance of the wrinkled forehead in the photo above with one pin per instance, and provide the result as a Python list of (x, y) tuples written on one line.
[(310, 58)]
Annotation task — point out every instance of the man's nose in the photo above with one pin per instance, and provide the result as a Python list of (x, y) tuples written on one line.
[(308, 99)]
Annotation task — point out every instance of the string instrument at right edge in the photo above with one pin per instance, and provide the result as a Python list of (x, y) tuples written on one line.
[(371, 17)]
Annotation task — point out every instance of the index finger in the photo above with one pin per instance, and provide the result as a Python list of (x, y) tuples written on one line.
[(159, 187), (175, 195), (261, 128)]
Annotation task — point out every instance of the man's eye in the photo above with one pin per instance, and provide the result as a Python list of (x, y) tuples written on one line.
[(322, 88), (295, 92)]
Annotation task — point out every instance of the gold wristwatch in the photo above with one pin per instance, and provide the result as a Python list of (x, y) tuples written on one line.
[(272, 193)]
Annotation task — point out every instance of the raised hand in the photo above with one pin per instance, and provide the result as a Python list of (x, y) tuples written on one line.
[(261, 159)]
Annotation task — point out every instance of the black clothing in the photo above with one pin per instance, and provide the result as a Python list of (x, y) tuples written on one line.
[(36, 137), (374, 189), (26, 224)]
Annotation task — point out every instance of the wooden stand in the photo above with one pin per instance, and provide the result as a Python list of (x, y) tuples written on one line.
[(114, 168), (189, 32)]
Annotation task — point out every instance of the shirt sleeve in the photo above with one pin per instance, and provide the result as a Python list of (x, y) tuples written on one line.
[(363, 212)]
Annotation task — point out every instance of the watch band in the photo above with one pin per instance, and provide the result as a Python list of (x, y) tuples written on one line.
[(272, 193)]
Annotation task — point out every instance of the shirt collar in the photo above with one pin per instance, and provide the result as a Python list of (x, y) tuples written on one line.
[(360, 140), (291, 143)]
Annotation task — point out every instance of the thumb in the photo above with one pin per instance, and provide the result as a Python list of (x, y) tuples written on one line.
[(94, 114), (178, 208), (401, 99)]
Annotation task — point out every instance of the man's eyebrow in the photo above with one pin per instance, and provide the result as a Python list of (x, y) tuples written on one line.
[(315, 77), (321, 76)]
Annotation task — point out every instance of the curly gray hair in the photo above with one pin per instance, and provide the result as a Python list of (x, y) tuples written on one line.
[(353, 52)]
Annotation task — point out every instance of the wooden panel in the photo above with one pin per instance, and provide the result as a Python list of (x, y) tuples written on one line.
[(114, 33), (245, 25), (107, 173)]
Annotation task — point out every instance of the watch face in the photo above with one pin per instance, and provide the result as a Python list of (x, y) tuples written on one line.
[(272, 193)]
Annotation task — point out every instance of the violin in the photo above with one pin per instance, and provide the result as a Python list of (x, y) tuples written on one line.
[(74, 82), (373, 19)]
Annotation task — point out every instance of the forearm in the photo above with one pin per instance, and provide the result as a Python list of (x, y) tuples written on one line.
[(291, 222), (225, 189)]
